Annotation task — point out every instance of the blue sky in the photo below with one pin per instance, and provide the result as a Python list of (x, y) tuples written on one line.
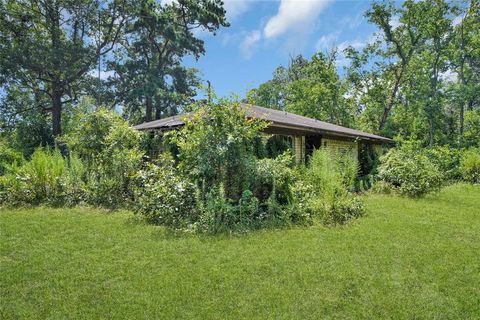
[(264, 34)]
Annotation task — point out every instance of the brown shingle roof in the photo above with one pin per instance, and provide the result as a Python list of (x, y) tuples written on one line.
[(277, 118)]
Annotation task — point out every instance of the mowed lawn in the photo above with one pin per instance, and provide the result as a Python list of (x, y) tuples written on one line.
[(405, 259)]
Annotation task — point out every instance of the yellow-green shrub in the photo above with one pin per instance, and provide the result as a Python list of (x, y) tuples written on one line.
[(470, 165)]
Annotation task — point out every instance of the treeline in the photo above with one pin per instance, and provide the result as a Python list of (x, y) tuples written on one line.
[(418, 79)]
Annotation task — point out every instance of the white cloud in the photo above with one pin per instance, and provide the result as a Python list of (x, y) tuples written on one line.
[(352, 22), (295, 15), (236, 8), (326, 42), (250, 40)]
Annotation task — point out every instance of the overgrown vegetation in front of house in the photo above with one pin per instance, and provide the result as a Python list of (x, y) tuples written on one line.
[(217, 174), (219, 180)]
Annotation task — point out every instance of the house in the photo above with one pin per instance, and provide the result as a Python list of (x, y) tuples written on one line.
[(306, 133)]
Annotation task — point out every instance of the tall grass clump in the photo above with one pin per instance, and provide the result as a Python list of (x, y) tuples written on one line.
[(47, 178), (325, 183)]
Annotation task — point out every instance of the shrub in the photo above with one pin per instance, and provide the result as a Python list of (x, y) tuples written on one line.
[(274, 176), (9, 157), (111, 150), (472, 128), (165, 196), (470, 165), (447, 160), (217, 214), (300, 210), (88, 138), (410, 172), (338, 209), (368, 161), (216, 147)]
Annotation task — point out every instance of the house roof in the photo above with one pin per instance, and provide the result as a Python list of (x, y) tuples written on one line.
[(280, 121)]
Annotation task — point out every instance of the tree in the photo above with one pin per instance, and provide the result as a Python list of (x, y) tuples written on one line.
[(148, 65), (465, 58), (424, 80), (404, 81), (51, 46), (273, 93), (320, 93), (401, 42), (311, 88)]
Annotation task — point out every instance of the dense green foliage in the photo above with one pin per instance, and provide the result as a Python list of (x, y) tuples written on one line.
[(111, 150), (47, 178), (409, 171), (8, 157), (216, 145), (220, 184), (82, 263), (164, 196), (309, 88), (104, 155), (470, 166), (447, 160)]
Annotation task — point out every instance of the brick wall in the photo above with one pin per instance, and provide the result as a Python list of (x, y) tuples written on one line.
[(341, 148), (299, 148)]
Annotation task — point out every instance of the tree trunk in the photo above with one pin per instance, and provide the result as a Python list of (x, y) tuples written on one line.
[(55, 33), (56, 113), (431, 131), (462, 118), (391, 99), (148, 109)]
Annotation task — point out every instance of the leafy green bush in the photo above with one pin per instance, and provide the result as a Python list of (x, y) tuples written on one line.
[(217, 214), (368, 161), (470, 165), (472, 128), (338, 208), (447, 159), (111, 150), (216, 147), (164, 196), (274, 177), (8, 158), (410, 172)]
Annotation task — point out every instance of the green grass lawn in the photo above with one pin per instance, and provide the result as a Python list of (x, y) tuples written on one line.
[(404, 259)]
